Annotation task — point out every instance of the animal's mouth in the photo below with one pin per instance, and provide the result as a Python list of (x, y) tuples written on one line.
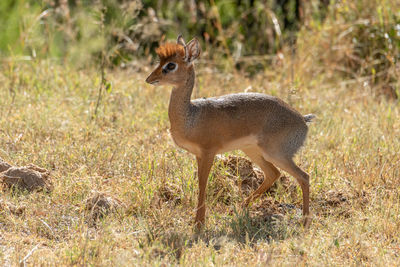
[(152, 81)]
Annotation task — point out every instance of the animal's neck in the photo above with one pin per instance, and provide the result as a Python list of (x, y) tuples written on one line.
[(179, 103)]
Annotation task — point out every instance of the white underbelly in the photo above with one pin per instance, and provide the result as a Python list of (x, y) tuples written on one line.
[(240, 143)]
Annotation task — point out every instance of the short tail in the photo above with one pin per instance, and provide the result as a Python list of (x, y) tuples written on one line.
[(309, 117)]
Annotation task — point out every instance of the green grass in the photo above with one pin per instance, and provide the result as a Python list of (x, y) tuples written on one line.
[(47, 118)]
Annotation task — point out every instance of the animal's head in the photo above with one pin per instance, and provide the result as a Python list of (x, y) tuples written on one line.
[(175, 61)]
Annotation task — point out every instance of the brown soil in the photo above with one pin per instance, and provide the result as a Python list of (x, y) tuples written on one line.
[(248, 177), (4, 165), (99, 205), (251, 177), (266, 207), (338, 202), (28, 178), (242, 172)]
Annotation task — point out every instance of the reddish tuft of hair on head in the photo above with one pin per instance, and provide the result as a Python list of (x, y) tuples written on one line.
[(170, 49)]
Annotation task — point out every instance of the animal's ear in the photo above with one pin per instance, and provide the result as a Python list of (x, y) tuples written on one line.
[(180, 40), (192, 50)]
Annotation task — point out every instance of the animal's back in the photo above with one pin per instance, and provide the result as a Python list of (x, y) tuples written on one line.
[(254, 111), (228, 121)]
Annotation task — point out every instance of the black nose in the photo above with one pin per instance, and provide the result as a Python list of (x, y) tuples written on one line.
[(148, 80)]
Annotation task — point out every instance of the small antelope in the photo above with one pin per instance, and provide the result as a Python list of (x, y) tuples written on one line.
[(264, 127)]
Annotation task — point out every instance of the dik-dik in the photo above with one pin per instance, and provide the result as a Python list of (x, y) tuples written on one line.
[(264, 127)]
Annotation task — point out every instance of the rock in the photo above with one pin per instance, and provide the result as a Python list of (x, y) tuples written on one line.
[(4, 165), (28, 178), (99, 205)]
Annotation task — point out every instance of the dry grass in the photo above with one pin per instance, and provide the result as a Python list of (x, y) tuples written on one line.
[(46, 118)]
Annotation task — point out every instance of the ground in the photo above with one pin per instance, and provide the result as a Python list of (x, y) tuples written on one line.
[(124, 152)]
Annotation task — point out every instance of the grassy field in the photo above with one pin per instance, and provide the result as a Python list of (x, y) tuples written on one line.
[(47, 117)]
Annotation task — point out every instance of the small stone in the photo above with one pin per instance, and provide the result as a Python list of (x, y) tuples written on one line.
[(99, 205), (28, 178)]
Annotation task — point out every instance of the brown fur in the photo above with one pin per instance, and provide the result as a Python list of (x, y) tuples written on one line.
[(267, 129), (170, 50)]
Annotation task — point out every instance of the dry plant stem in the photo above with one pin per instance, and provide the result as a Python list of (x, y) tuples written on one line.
[(48, 227), (12, 85), (23, 261), (102, 65), (102, 81), (292, 59)]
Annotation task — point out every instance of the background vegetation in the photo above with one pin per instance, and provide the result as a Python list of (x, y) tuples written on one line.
[(73, 100), (134, 27)]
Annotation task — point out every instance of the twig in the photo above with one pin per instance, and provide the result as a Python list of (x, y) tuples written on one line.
[(23, 261), (48, 227), (101, 84), (292, 59), (11, 88), (102, 81)]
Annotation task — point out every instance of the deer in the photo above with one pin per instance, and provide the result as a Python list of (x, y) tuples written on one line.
[(264, 127)]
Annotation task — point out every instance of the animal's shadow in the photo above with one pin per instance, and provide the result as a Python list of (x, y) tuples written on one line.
[(241, 228)]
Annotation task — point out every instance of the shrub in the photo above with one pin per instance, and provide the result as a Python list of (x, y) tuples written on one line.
[(358, 40)]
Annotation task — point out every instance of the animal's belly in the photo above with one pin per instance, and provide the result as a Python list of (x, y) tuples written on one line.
[(240, 143)]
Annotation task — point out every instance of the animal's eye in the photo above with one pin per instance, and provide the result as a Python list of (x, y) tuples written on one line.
[(171, 66)]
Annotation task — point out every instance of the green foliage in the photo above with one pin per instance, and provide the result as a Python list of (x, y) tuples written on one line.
[(242, 27), (77, 30), (17, 20), (374, 31), (358, 40)]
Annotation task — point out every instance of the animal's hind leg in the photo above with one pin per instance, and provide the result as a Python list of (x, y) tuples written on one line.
[(301, 177), (271, 173)]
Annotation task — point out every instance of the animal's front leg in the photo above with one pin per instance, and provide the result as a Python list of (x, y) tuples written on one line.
[(204, 163)]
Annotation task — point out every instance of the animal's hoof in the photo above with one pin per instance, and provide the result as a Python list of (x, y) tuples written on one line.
[(307, 221)]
